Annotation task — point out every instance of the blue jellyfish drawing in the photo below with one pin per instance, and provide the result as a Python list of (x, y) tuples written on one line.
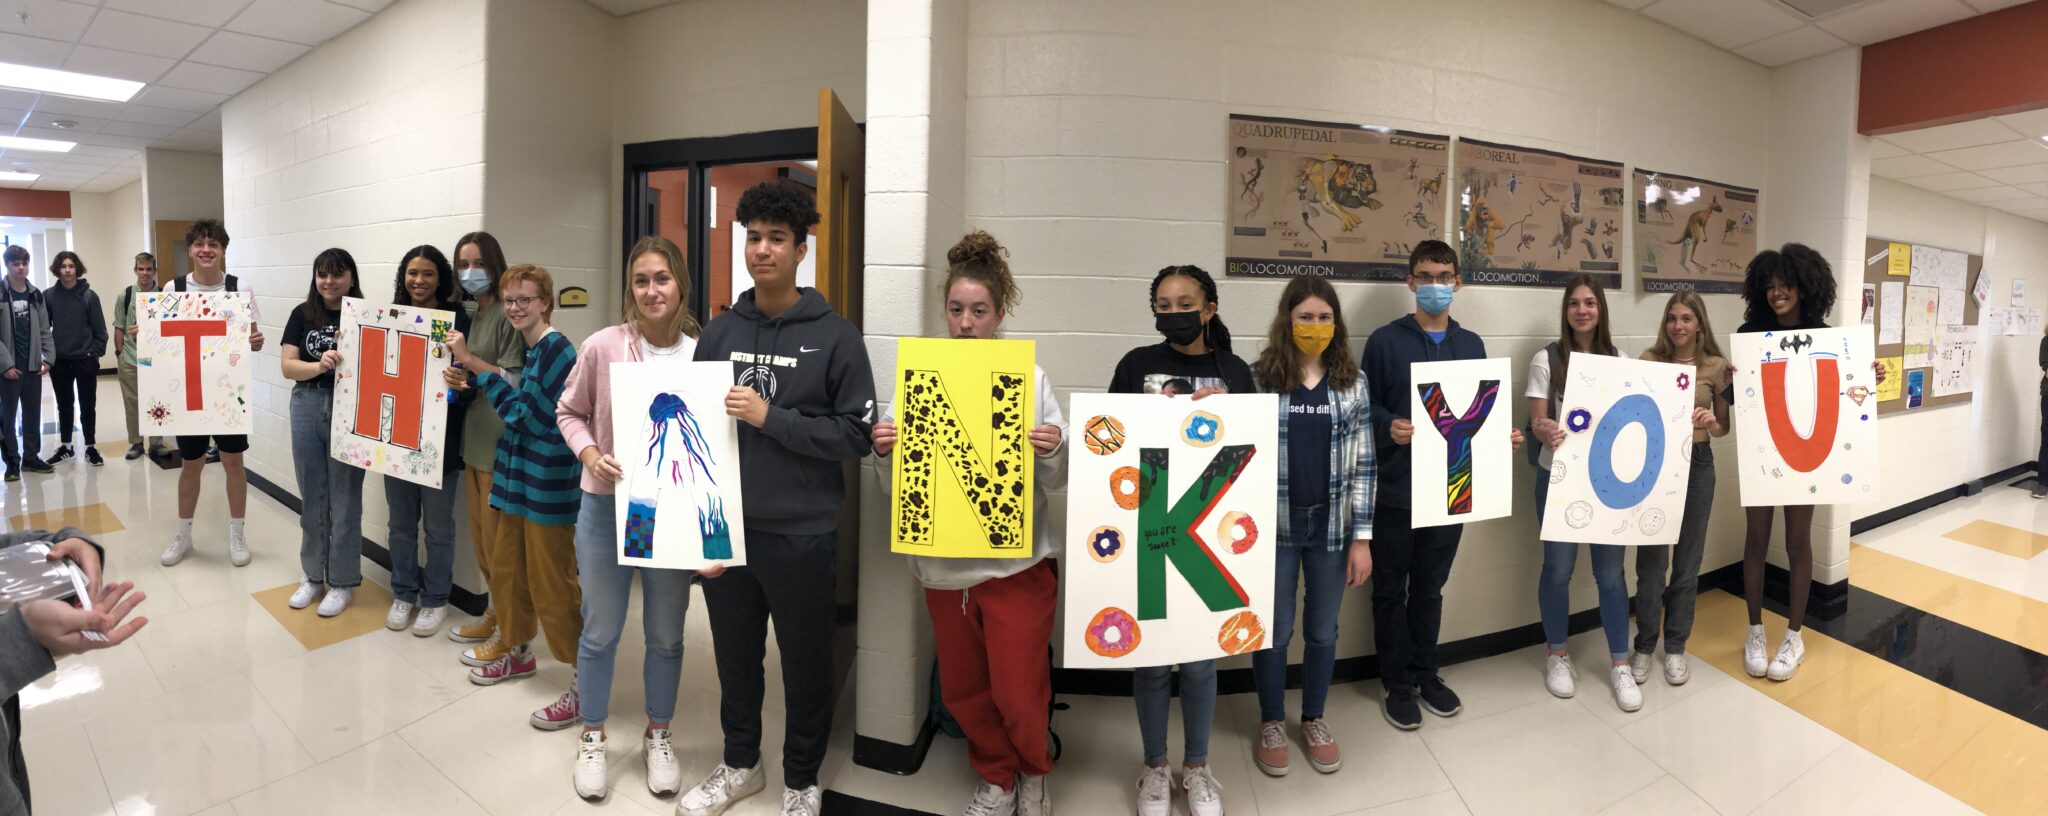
[(669, 416)]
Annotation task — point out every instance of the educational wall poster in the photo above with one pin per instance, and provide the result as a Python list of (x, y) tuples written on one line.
[(1894, 382), (1329, 199), (1939, 268), (1463, 460), (1529, 217), (1805, 420), (1621, 475), (1891, 303), (1170, 525), (1921, 321), (962, 477), (192, 362), (390, 401), (1950, 310), (2019, 291), (1693, 232), (1869, 304), (1955, 363), (1898, 259), (680, 455)]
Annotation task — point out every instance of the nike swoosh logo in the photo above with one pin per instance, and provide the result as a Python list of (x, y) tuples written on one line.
[(806, 350)]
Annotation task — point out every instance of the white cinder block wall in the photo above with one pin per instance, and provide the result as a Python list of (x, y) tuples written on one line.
[(180, 185)]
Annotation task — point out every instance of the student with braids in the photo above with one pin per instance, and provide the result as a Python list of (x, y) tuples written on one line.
[(1196, 353)]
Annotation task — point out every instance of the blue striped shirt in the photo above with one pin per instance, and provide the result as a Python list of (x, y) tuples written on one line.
[(535, 476), (1354, 476)]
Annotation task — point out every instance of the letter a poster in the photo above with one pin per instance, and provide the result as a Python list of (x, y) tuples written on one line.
[(1806, 416), (1463, 458), (679, 498), (193, 364), (1170, 528), (963, 460), (390, 401), (1621, 475)]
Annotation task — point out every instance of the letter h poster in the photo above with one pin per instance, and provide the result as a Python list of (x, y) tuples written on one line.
[(390, 400), (679, 499), (1806, 416), (1171, 518), (1621, 474), (1463, 457), (192, 362), (963, 458)]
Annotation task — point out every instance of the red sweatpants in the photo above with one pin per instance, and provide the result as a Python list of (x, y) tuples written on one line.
[(994, 670)]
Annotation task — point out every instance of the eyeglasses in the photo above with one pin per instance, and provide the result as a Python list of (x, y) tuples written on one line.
[(522, 302), (1445, 279)]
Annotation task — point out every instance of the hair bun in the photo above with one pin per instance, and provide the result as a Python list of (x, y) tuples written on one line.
[(978, 248)]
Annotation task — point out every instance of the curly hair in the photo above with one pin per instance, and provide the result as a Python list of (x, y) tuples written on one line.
[(1800, 269), (778, 202), (1279, 367), (444, 278), (58, 262), (978, 257)]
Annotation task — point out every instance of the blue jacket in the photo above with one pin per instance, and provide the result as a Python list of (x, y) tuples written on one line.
[(1387, 354)]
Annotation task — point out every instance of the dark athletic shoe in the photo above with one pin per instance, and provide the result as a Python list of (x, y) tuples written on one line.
[(134, 452), (213, 453), (93, 457), (63, 453), (1439, 698), (14, 474), (34, 465), (1401, 710)]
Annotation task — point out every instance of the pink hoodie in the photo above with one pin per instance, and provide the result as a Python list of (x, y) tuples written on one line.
[(585, 412)]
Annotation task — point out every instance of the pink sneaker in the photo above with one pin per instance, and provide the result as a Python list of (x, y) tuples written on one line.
[(560, 714), (512, 666)]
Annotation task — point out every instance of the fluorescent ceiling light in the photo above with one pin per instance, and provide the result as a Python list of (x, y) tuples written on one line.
[(67, 83), (13, 176), (43, 145)]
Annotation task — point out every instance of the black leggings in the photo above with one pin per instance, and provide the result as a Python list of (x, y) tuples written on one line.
[(82, 378), (1756, 544)]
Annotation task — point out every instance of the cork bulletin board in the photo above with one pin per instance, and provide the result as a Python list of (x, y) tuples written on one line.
[(1903, 287)]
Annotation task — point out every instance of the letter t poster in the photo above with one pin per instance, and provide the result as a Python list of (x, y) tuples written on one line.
[(390, 401), (192, 362), (1806, 416), (1462, 455)]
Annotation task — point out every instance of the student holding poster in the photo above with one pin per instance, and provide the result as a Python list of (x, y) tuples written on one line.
[(1687, 338), (479, 263), (658, 326), (206, 247), (426, 281), (331, 513), (1327, 476), (992, 618)]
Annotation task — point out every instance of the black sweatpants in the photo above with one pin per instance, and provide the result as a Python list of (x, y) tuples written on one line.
[(80, 376), (787, 579), (1409, 568)]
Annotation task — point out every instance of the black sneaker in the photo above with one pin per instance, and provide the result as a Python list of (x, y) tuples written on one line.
[(34, 465), (1401, 710), (213, 453), (93, 457), (1439, 698), (134, 452), (2041, 490), (63, 453), (14, 474)]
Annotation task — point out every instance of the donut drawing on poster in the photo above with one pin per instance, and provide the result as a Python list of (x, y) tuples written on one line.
[(1806, 416), (1170, 524), (1620, 476)]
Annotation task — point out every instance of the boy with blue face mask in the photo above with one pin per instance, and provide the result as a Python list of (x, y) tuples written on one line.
[(1410, 565)]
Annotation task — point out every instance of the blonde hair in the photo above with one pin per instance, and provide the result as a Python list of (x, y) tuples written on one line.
[(682, 321), (1704, 346), (539, 277)]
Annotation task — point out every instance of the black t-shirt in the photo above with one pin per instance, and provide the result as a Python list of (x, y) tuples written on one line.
[(313, 342), (1158, 369), (1308, 445)]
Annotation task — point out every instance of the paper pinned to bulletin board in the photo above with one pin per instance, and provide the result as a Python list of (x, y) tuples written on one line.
[(962, 468), (1921, 291)]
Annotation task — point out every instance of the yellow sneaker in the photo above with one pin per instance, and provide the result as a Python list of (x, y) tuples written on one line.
[(485, 653), (476, 631)]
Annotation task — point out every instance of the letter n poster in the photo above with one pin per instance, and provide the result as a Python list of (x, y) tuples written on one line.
[(963, 458), (390, 401), (679, 501), (1621, 474), (1806, 416), (1171, 519), (192, 362), (1463, 458)]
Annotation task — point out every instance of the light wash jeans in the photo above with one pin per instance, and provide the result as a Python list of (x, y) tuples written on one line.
[(410, 505), (330, 496), (1305, 561), (1554, 588), (664, 598), (1152, 688), (1670, 606)]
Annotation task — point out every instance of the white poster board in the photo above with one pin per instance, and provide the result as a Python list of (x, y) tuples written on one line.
[(1171, 524), (1462, 457), (1621, 475), (1805, 416), (192, 362), (680, 456), (1955, 360), (390, 399)]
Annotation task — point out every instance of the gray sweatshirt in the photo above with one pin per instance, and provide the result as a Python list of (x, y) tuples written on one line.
[(42, 346), (22, 662)]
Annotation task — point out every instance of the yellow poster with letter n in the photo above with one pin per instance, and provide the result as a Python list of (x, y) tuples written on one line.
[(963, 458)]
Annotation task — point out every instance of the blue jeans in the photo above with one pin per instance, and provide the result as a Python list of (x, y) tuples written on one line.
[(1151, 687), (411, 504), (1553, 591), (664, 598), (330, 496), (1308, 559)]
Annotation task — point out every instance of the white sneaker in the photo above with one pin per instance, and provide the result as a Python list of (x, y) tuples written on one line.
[(1155, 792), (1560, 676), (181, 546), (718, 791), (1627, 694), (238, 549), (303, 597), (429, 621), (1639, 665), (1790, 653), (1676, 672), (991, 800), (399, 617), (1205, 794), (806, 802), (336, 601), (590, 766), (1034, 798), (664, 775), (1753, 651)]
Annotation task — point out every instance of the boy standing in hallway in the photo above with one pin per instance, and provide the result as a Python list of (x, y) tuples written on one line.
[(207, 247), (805, 401), (26, 349), (80, 329), (125, 328)]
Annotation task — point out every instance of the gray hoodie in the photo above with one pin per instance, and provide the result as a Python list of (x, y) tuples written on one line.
[(22, 662), (42, 347)]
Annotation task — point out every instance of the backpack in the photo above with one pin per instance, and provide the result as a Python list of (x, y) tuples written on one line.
[(178, 283)]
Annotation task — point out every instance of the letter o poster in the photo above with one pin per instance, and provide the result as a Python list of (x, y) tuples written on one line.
[(1620, 477), (1806, 416)]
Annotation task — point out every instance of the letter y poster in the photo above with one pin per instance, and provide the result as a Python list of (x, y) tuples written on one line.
[(1463, 458), (390, 401), (1806, 416), (192, 362)]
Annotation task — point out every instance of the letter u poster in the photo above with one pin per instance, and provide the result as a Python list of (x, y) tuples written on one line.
[(192, 362), (1171, 523), (963, 469), (390, 399), (679, 503), (1806, 416), (1463, 458)]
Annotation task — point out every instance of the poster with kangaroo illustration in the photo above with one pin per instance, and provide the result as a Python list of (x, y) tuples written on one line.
[(1463, 459), (1806, 416), (1529, 217), (679, 503), (1693, 232)]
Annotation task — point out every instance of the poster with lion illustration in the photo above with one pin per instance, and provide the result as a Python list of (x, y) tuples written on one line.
[(961, 475), (1529, 217), (1693, 232), (1331, 200), (1620, 475), (1171, 523), (679, 502)]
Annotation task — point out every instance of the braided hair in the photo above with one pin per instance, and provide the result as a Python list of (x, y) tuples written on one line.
[(1214, 335)]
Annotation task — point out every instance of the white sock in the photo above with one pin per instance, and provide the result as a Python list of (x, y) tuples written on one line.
[(234, 528), (184, 528)]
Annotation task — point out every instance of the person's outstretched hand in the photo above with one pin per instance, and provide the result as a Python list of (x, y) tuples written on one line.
[(61, 628)]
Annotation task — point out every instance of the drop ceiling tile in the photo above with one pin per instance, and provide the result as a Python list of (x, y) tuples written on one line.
[(1885, 19), (2006, 154), (46, 133), (1900, 167), (122, 31), (85, 124), (2032, 124), (48, 19), (2037, 188), (211, 121), (155, 116), (9, 117), (23, 100), (2020, 174), (198, 102), (1950, 137), (111, 140), (72, 106), (210, 13), (1627, 4), (1881, 149), (34, 51), (1994, 5), (117, 64), (1725, 23), (2031, 202), (231, 50), (140, 130), (1791, 46), (88, 149), (1945, 182), (1986, 195), (209, 78), (309, 22), (371, 6)]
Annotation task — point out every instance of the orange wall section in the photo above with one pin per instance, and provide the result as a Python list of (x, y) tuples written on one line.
[(15, 203), (1986, 65)]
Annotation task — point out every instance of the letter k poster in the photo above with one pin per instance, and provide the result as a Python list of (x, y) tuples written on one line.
[(192, 362), (390, 401), (1806, 416), (1171, 522), (1463, 457)]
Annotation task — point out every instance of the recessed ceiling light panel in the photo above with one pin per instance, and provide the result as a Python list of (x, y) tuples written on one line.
[(12, 176), (67, 83), (40, 145)]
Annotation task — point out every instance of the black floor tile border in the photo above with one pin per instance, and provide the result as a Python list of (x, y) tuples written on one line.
[(839, 804)]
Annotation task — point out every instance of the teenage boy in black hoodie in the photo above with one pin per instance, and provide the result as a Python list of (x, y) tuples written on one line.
[(1410, 565), (805, 401), (80, 329)]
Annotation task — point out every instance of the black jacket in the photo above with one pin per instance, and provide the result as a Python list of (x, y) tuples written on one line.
[(1387, 354), (76, 321)]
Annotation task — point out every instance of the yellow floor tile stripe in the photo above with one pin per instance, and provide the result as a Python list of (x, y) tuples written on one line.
[(364, 615), (94, 519), (2000, 538), (2005, 615)]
